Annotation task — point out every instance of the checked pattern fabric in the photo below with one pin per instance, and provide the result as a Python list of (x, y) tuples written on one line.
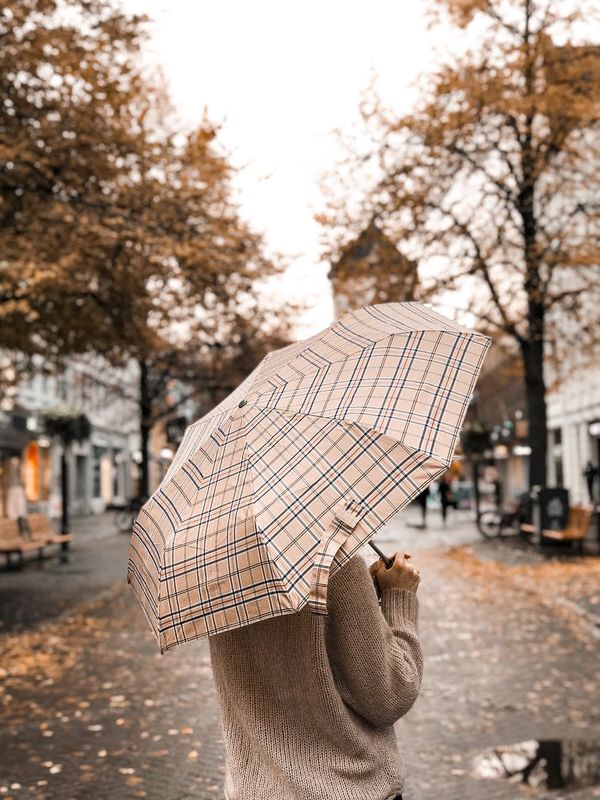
[(284, 481)]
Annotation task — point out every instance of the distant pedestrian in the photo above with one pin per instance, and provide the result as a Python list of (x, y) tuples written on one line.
[(498, 494), (590, 472), (446, 495), (16, 500), (422, 501)]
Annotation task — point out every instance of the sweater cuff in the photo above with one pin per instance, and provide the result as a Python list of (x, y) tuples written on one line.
[(400, 605)]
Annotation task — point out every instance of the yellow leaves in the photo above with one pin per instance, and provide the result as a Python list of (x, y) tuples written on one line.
[(462, 12), (551, 583), (47, 652), (101, 201)]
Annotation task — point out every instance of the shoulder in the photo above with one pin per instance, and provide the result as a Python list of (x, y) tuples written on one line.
[(354, 566), (351, 580)]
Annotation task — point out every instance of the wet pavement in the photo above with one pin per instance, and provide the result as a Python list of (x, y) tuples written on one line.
[(548, 763), (48, 588), (91, 710)]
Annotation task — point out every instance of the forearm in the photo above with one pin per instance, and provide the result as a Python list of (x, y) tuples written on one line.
[(375, 651)]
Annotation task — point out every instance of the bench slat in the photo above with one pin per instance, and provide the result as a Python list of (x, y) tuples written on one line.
[(580, 518), (41, 530)]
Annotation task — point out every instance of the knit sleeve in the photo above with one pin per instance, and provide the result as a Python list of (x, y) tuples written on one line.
[(374, 652)]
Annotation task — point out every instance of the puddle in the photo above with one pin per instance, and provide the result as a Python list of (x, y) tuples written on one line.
[(544, 763)]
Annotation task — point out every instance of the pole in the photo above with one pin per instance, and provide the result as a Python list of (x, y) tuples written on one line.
[(475, 475), (64, 489)]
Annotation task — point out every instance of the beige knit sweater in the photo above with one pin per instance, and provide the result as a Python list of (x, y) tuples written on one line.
[(308, 702)]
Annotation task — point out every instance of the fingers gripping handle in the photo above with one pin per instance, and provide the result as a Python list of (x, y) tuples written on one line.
[(345, 519)]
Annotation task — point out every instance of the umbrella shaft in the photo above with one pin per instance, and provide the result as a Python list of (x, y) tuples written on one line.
[(387, 561)]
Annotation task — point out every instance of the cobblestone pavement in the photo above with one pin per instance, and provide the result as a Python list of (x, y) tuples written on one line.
[(91, 710)]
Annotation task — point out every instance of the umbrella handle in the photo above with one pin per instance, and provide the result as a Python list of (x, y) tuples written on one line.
[(387, 561)]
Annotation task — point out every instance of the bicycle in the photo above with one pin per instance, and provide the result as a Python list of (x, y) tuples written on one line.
[(125, 517), (498, 522)]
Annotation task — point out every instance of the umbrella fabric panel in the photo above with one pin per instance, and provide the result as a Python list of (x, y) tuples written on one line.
[(196, 436), (386, 318), (415, 387), (214, 555), (218, 572), (357, 331), (156, 524), (303, 467), (215, 420)]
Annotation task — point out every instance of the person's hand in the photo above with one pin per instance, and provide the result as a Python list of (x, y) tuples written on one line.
[(401, 575)]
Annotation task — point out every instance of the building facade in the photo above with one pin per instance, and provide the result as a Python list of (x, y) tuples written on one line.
[(103, 469), (573, 407), (371, 269), (574, 432)]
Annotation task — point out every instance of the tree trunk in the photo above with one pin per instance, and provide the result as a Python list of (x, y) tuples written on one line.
[(535, 389), (64, 491), (532, 345), (145, 427)]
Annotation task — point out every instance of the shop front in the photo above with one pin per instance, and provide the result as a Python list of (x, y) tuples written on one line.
[(24, 462), (36, 473)]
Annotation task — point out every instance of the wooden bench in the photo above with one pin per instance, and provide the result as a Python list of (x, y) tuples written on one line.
[(41, 530), (11, 541), (527, 528), (578, 524)]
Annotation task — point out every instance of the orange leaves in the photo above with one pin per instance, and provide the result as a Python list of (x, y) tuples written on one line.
[(114, 228), (489, 182), (462, 12)]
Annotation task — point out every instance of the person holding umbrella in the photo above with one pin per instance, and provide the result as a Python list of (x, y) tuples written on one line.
[(308, 702), (253, 541)]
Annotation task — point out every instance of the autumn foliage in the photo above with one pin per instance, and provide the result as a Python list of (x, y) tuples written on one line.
[(120, 235), (492, 183), (116, 229)]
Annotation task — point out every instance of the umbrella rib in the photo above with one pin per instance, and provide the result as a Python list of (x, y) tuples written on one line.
[(332, 418)]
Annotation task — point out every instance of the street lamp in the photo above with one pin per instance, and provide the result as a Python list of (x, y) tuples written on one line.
[(68, 426)]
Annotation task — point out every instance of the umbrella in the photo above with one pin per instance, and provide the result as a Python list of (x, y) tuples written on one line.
[(279, 485)]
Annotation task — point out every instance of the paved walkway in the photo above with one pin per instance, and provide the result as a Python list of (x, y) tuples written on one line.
[(91, 710)]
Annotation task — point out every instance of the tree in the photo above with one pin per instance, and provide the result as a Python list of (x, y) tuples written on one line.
[(119, 235), (183, 263), (496, 176), (69, 82)]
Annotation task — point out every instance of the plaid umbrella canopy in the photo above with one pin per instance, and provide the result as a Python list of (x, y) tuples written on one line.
[(284, 481)]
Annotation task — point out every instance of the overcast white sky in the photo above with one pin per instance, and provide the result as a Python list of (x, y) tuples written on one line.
[(282, 76)]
